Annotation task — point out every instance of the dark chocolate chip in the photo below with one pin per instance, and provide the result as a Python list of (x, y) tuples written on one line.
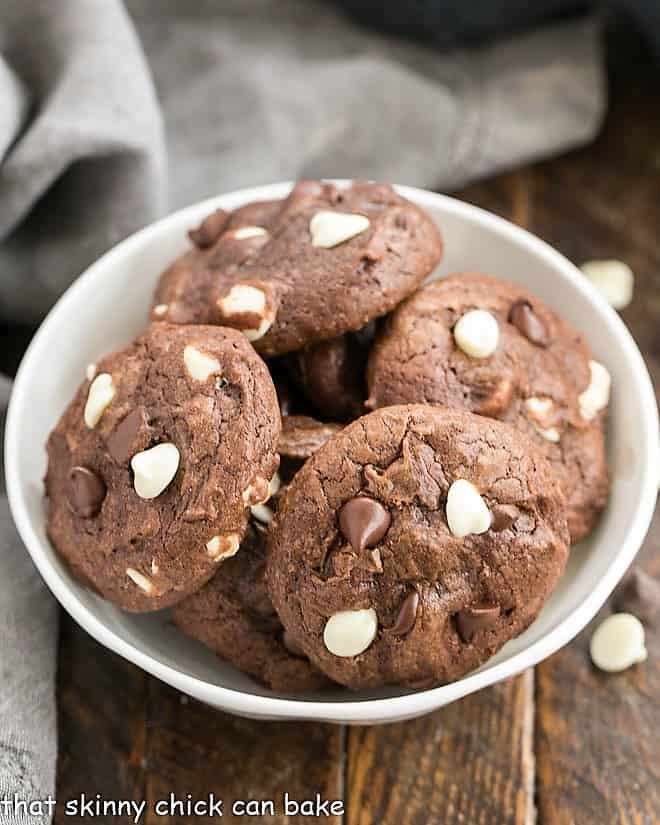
[(528, 323), (302, 436), (120, 442), (405, 621), (363, 522), (492, 399), (503, 516), (208, 232), (473, 619), (639, 594), (85, 492), (292, 646)]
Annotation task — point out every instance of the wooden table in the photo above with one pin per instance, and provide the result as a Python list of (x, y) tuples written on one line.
[(562, 742)]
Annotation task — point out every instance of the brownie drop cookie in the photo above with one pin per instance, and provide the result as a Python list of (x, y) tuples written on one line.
[(414, 544), (154, 464), (326, 261), (476, 342), (332, 374), (234, 616), (222, 242)]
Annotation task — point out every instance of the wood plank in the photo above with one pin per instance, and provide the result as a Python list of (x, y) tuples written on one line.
[(598, 752), (469, 763), (101, 724), (126, 736), (196, 750)]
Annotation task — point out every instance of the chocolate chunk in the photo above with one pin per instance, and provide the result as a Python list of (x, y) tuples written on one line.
[(639, 594), (528, 323), (302, 436), (405, 621), (291, 645), (473, 619), (492, 399), (121, 441), (208, 232), (85, 492), (503, 516), (332, 374), (363, 522)]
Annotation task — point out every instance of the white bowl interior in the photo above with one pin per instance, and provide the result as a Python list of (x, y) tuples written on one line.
[(108, 305)]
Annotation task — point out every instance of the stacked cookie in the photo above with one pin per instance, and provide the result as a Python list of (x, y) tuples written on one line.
[(439, 447)]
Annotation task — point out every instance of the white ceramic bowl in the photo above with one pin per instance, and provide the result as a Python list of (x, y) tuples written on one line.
[(108, 305)]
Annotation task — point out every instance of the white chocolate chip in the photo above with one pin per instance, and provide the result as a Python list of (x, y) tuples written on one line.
[(540, 412), (250, 302), (154, 469), (274, 484), (90, 372), (597, 395), (160, 310), (329, 229), (199, 366), (262, 513), (476, 333), (613, 279), (101, 393), (142, 581), (618, 643), (466, 510), (257, 492), (244, 232), (222, 547), (154, 567), (350, 632)]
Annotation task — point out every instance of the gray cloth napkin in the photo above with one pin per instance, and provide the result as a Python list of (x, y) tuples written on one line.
[(28, 636), (251, 91)]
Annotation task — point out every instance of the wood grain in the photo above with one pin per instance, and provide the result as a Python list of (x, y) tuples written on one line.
[(195, 750), (125, 735), (597, 748), (471, 762), (102, 723)]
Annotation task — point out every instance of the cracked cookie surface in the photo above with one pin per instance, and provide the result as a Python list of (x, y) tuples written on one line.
[(366, 573), (533, 379), (325, 261), (154, 464)]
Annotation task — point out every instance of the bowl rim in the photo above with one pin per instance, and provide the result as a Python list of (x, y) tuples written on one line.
[(358, 710)]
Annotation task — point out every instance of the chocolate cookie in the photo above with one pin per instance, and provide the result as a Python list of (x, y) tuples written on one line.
[(332, 374), (222, 242), (152, 467), (324, 263), (414, 544), (476, 342), (234, 616)]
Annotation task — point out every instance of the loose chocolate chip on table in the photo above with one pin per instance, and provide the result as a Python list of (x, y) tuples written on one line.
[(473, 619), (363, 522), (528, 323), (85, 493), (405, 621)]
